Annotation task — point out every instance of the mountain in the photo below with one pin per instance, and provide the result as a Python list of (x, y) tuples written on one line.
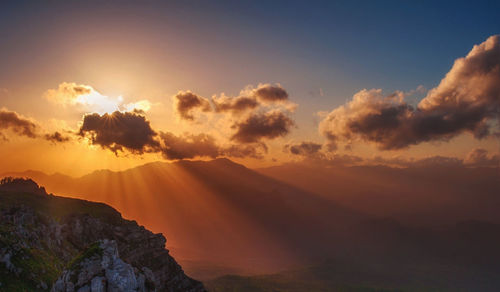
[(222, 217), (218, 207), (430, 195), (76, 245)]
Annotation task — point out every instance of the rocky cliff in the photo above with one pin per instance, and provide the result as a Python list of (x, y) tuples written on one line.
[(49, 242)]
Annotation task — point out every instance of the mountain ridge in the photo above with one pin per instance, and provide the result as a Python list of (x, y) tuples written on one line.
[(42, 235)]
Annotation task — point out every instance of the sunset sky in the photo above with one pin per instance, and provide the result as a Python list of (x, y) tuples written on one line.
[(262, 83)]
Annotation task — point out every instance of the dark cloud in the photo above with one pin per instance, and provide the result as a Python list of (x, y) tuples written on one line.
[(56, 137), (186, 102), (235, 105), (303, 148), (188, 146), (250, 99), (21, 126), (268, 125), (481, 158), (119, 131), (466, 100), (270, 93)]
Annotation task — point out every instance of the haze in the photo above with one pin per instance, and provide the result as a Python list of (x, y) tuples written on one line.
[(266, 137)]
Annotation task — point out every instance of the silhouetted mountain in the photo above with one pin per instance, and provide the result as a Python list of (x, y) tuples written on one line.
[(420, 194), (218, 207), (89, 245), (223, 215)]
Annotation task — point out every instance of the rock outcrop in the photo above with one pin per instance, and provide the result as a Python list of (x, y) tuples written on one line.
[(100, 268), (74, 245)]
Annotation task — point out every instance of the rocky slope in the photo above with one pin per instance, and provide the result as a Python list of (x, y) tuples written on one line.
[(49, 242)]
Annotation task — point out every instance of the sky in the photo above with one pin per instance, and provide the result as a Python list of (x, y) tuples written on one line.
[(183, 65)]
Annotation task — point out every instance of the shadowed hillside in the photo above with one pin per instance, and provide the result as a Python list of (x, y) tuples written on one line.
[(224, 218), (431, 194), (43, 237), (219, 207)]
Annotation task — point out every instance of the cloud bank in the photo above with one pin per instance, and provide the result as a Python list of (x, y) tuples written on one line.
[(466, 100), (254, 115), (122, 132)]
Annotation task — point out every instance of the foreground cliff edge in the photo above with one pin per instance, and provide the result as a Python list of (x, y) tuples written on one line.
[(61, 244)]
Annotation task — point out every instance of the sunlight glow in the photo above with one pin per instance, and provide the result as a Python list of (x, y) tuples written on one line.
[(99, 103)]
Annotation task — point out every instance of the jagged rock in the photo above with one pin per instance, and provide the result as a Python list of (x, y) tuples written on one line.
[(98, 284), (131, 257), (100, 267)]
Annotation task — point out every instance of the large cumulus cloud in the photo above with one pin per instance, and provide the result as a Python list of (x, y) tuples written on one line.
[(466, 100), (120, 130)]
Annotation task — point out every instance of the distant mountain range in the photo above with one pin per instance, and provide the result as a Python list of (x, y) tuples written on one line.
[(429, 194), (221, 216)]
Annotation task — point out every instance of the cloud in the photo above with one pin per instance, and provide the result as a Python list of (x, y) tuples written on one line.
[(203, 145), (270, 93), (72, 94), (188, 146), (481, 158), (255, 114), (132, 132), (303, 148), (268, 125), (22, 126), (186, 102), (120, 130), (235, 105), (56, 137), (18, 124), (249, 99), (466, 100), (68, 93)]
